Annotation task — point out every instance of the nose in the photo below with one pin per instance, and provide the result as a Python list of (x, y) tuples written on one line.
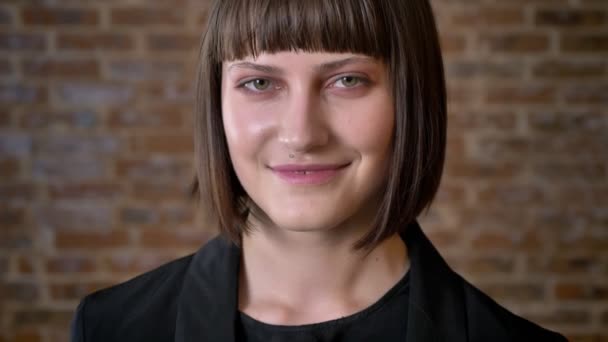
[(303, 126)]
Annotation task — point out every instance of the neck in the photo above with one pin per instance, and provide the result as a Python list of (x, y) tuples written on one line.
[(306, 277)]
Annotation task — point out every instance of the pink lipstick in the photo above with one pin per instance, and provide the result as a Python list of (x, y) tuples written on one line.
[(311, 174)]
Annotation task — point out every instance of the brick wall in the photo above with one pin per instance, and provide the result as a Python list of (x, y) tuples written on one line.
[(96, 154)]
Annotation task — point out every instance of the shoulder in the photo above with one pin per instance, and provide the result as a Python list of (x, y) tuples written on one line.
[(142, 308), (487, 319)]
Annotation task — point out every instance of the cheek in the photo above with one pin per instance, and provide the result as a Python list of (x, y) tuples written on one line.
[(369, 128), (246, 127)]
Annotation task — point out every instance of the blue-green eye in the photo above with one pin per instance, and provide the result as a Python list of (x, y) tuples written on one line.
[(259, 84), (348, 81)]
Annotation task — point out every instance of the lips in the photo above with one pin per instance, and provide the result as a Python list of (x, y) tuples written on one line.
[(310, 174)]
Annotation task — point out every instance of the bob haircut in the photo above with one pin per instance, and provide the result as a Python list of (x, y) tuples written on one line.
[(401, 33)]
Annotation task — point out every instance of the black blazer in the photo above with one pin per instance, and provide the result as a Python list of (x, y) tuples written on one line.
[(195, 299)]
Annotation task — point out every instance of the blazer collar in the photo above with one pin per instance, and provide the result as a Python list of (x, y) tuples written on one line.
[(208, 309)]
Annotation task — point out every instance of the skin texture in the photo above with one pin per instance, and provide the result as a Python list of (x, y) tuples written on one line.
[(324, 108)]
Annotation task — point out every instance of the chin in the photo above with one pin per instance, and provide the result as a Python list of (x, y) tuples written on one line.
[(303, 220)]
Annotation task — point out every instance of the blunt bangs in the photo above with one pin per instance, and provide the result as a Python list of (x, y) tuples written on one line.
[(250, 27)]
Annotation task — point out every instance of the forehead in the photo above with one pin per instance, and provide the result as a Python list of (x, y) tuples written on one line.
[(319, 61)]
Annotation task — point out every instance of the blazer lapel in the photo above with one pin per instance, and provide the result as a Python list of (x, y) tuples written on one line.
[(436, 311), (207, 306)]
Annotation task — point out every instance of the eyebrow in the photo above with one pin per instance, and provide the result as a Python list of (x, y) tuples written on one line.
[(322, 68)]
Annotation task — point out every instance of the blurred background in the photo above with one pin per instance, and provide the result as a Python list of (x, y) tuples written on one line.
[(96, 154)]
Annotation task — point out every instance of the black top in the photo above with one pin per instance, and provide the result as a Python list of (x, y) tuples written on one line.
[(384, 320), (195, 299)]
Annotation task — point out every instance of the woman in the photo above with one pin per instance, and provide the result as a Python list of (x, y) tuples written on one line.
[(320, 137)]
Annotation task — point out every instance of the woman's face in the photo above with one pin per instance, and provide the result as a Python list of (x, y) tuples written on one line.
[(309, 135)]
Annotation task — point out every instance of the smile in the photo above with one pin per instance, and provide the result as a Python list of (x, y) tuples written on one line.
[(308, 174)]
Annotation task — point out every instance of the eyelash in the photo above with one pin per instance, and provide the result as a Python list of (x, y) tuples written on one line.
[(361, 81)]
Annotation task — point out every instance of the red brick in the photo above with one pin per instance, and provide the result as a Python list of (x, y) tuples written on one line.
[(468, 69), (450, 193), (167, 143), (48, 119), (524, 94), (584, 43), (570, 17), (11, 217), (567, 69), (173, 238), (17, 192), (492, 147), (510, 194), (558, 122), (139, 215), (36, 316), (25, 265), (3, 266), (522, 292), (586, 337), (460, 94), (86, 190), (168, 92), (95, 41), (59, 16), (15, 240), (578, 264), (78, 145), (466, 121), (586, 94), (75, 215), (15, 145), (141, 70), (153, 190), (45, 68), (91, 240), (555, 146), (21, 291), (6, 68), (141, 16), (178, 215), (444, 238), (92, 94), (6, 118), (28, 336), (70, 264), (69, 168), (75, 291), (482, 170), (140, 263), (22, 42), (560, 316), (164, 117), (484, 265), (6, 17), (568, 171), (529, 42), (13, 94), (474, 17), (173, 42), (577, 291), (158, 168), (452, 43)]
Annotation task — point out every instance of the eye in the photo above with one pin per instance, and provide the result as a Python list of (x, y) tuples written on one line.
[(348, 81), (258, 84)]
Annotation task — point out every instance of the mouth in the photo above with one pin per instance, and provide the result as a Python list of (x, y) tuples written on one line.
[(308, 174)]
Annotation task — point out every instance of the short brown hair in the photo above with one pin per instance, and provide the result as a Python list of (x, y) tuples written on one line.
[(400, 33)]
